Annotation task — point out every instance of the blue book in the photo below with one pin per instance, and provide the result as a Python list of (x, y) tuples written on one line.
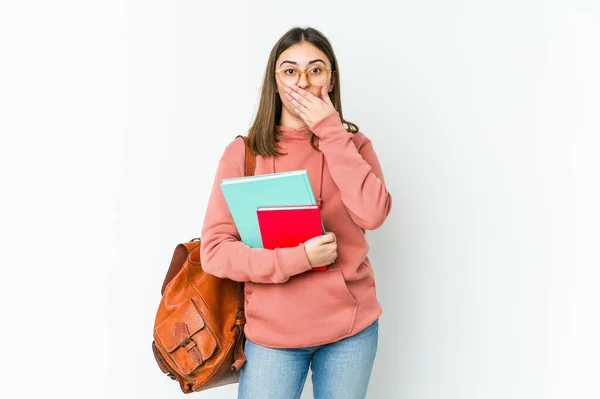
[(244, 195)]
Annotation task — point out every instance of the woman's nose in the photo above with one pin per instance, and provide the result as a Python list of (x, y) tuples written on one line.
[(303, 82)]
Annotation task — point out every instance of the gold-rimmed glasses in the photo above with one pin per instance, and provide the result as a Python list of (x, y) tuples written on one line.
[(315, 75)]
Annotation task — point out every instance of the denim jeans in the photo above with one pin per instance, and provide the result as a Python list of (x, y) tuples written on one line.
[(341, 369)]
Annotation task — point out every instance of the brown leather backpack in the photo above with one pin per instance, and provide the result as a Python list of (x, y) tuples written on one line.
[(199, 325)]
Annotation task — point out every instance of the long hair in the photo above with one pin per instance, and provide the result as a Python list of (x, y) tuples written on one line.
[(262, 135)]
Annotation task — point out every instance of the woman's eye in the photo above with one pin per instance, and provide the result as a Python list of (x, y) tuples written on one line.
[(316, 70), (290, 71)]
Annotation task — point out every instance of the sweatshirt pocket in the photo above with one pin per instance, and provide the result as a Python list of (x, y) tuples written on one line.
[(309, 309)]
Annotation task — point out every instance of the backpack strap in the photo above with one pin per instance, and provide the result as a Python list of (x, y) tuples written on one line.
[(240, 318), (249, 157)]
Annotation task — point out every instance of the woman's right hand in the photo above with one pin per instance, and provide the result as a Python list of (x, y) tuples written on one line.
[(321, 250)]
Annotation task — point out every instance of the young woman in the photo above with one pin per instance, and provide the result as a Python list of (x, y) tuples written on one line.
[(298, 318)]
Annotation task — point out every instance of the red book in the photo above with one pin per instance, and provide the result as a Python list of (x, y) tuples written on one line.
[(289, 226)]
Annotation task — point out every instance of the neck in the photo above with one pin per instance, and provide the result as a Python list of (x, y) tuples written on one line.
[(291, 121)]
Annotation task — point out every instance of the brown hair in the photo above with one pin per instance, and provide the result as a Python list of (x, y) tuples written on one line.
[(262, 135)]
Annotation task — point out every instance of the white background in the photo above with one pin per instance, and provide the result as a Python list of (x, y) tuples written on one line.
[(485, 116)]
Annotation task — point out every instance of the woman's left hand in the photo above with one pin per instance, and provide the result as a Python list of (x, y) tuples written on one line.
[(309, 107)]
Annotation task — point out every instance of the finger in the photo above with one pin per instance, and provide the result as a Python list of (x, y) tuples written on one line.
[(302, 114), (295, 103), (298, 91), (299, 98), (324, 240), (330, 238), (334, 254), (325, 95)]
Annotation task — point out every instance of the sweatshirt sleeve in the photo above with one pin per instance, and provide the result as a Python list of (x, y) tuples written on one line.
[(356, 172), (223, 254)]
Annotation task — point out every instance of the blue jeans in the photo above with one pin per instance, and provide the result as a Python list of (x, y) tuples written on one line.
[(341, 369)]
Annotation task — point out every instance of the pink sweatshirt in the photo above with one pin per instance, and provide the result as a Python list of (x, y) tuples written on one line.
[(286, 305)]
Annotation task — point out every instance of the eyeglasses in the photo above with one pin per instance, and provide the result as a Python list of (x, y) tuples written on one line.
[(316, 76)]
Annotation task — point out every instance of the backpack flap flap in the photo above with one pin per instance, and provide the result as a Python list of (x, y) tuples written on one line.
[(186, 338)]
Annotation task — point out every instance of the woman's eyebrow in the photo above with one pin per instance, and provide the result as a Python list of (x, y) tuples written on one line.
[(295, 63)]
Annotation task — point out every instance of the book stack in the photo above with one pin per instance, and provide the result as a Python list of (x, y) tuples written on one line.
[(276, 210)]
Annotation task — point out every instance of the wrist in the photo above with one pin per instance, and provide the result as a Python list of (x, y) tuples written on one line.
[(329, 126)]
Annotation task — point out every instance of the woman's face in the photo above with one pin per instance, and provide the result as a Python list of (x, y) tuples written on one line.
[(302, 56)]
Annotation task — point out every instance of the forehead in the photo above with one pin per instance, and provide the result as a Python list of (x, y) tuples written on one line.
[(302, 53)]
